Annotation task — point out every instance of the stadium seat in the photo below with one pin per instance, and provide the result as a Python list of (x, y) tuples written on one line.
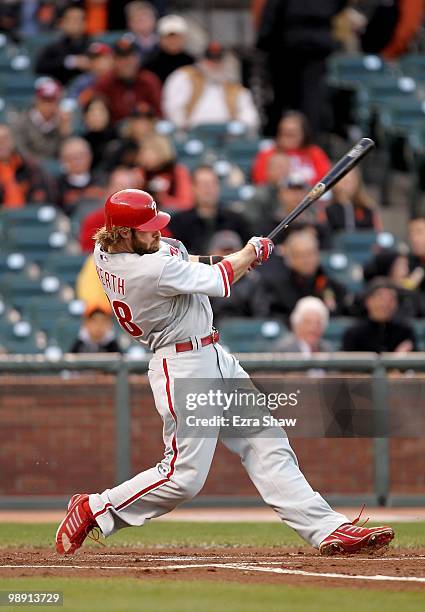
[(335, 330), (242, 153), (357, 245), (340, 267), (419, 328), (348, 71), (45, 311), (413, 65), (20, 289), (65, 332), (66, 267), (213, 135), (35, 245), (18, 338), (29, 215), (246, 335)]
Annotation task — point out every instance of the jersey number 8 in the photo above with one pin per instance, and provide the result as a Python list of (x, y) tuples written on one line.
[(125, 318)]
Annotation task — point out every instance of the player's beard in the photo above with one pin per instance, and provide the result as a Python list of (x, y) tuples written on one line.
[(139, 248)]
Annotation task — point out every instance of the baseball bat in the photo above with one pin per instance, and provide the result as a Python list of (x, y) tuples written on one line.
[(340, 169)]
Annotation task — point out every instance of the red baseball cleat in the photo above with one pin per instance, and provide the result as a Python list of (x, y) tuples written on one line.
[(349, 539), (76, 526)]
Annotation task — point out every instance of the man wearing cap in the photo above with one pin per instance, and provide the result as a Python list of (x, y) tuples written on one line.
[(127, 85), (203, 93), (291, 190), (382, 331), (100, 64), (171, 55), (66, 58), (159, 294), (40, 130)]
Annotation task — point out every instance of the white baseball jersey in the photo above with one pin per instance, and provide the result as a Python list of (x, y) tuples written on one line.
[(162, 298)]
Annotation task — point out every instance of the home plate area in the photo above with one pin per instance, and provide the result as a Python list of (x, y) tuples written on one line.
[(395, 569)]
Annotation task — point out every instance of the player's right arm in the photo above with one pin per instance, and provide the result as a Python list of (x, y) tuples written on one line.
[(257, 250)]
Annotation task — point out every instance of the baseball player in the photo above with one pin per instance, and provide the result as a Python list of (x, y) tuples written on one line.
[(159, 295)]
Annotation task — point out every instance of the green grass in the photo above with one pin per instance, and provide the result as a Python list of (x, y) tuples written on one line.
[(165, 596), (172, 534)]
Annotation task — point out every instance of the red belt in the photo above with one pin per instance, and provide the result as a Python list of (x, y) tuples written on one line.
[(212, 338)]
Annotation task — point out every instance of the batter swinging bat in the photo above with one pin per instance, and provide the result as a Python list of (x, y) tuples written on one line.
[(341, 168)]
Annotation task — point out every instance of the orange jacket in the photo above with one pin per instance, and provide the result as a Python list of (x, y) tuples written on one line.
[(411, 18)]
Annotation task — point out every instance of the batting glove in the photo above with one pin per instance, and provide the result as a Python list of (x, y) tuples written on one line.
[(263, 248)]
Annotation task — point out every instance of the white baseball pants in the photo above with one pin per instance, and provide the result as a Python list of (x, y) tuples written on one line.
[(270, 462)]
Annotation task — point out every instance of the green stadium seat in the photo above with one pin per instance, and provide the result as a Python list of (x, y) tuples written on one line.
[(45, 312), (340, 267), (419, 329), (348, 71), (213, 135), (66, 267), (34, 43), (18, 338), (110, 37), (65, 332), (17, 84), (335, 330), (242, 153), (357, 245), (36, 245), (29, 215), (20, 289), (247, 335), (413, 65)]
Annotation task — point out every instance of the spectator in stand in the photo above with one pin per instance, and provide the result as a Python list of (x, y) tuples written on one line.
[(294, 139), (67, 58), (124, 151), (297, 35), (392, 27), (77, 181), (264, 202), (128, 85), (196, 227), (40, 130), (308, 322), (168, 181), (299, 274), (9, 18), (96, 16), (21, 180), (248, 297), (290, 192), (171, 54), (117, 12), (98, 131), (100, 63), (202, 93), (352, 207), (141, 20), (394, 266), (381, 332), (97, 333), (120, 178)]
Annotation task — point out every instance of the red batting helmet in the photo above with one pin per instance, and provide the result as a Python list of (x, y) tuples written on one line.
[(134, 208)]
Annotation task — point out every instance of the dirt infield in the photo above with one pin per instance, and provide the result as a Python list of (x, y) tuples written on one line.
[(389, 569)]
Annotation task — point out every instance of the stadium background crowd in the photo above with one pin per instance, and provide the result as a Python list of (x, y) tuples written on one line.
[(98, 96)]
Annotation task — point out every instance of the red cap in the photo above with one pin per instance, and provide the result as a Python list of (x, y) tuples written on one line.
[(96, 49), (48, 88), (134, 208)]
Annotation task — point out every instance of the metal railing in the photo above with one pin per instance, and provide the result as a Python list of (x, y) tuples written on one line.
[(378, 366)]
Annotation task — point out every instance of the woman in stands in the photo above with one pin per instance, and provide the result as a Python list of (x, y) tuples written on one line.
[(98, 129), (294, 140), (352, 207), (169, 181)]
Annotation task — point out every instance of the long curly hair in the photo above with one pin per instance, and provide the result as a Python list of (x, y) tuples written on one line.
[(107, 238)]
